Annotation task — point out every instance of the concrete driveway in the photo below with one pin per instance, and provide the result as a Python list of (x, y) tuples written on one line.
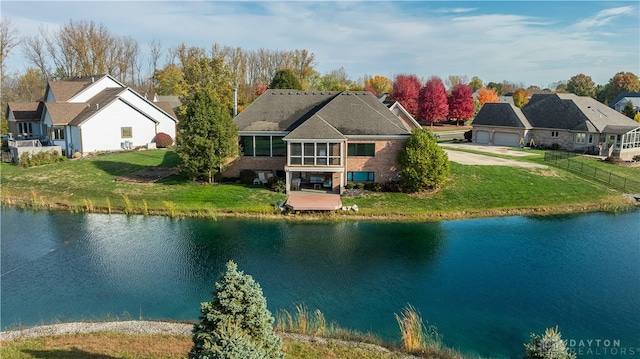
[(467, 158)]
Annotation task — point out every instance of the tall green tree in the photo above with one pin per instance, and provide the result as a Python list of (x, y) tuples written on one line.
[(423, 163), (212, 75), (237, 323), (285, 79), (629, 110), (582, 85), (207, 136)]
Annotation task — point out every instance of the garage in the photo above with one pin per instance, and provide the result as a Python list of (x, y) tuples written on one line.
[(482, 137), (506, 139)]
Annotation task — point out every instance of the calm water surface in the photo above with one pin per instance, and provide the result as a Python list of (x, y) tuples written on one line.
[(485, 283)]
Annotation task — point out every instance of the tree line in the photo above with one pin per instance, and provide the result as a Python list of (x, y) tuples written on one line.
[(81, 48)]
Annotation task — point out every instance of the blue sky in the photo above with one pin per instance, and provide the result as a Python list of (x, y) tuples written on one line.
[(534, 43)]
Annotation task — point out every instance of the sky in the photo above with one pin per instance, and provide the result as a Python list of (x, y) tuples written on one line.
[(531, 42)]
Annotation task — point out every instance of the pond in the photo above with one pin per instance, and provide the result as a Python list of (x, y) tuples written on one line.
[(485, 283)]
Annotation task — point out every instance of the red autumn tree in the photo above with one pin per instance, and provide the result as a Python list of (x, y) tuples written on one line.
[(260, 89), (461, 102), (405, 90), (432, 101), (489, 95)]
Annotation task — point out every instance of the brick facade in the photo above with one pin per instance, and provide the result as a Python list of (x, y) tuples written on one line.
[(384, 163)]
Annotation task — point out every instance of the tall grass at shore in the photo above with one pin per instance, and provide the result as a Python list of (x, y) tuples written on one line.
[(416, 336)]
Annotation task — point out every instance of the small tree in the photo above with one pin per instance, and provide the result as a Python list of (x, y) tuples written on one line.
[(629, 110), (285, 79), (237, 323), (206, 137), (548, 346), (423, 163)]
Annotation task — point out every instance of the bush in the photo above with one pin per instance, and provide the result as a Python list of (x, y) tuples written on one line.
[(247, 176), (468, 136), (423, 162), (276, 184), (237, 323), (350, 185), (163, 140), (549, 346), (360, 185), (29, 159)]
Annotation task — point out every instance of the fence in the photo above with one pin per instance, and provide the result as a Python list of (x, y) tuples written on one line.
[(566, 160)]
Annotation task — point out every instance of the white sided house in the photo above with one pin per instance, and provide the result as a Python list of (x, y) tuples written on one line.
[(91, 114)]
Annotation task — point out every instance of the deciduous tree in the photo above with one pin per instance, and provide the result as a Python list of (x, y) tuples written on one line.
[(170, 81), (621, 82), (423, 163), (237, 323), (581, 85), (8, 39), (377, 84), (461, 102), (475, 83), (520, 97), (207, 136), (405, 90), (487, 95), (433, 105)]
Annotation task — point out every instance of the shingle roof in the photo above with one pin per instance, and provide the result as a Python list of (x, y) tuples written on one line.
[(62, 113), (502, 114), (351, 113), (96, 103), (552, 111), (315, 128), (629, 95), (25, 111), (64, 90)]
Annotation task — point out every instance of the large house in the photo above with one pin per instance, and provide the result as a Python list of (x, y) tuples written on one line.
[(321, 139), (566, 121), (90, 114)]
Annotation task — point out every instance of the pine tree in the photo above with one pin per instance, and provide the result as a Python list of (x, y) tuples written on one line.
[(237, 323)]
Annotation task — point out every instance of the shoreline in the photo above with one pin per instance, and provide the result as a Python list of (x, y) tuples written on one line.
[(611, 205)]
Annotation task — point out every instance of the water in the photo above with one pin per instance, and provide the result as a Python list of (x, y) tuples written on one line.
[(485, 283)]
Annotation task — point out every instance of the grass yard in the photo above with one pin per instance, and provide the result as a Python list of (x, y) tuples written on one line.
[(89, 185)]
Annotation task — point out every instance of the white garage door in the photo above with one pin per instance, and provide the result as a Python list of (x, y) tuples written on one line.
[(506, 139), (482, 137)]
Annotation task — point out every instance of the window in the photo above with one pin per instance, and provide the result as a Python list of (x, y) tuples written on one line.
[(314, 154), (308, 154), (25, 128), (278, 147), (581, 137), (246, 142), (361, 149), (263, 145), (126, 132), (361, 176), (554, 133), (57, 133)]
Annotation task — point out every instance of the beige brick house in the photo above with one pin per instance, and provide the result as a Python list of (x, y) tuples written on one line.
[(320, 139), (569, 122)]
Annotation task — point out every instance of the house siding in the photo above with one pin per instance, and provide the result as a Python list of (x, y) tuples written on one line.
[(94, 89), (258, 163), (384, 163)]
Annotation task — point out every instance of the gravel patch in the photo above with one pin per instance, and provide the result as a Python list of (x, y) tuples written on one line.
[(128, 327)]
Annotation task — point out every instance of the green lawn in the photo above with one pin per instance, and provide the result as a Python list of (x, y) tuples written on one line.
[(90, 185)]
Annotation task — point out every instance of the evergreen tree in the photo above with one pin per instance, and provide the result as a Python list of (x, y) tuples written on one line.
[(237, 323), (549, 346), (629, 110), (285, 79), (206, 136), (423, 163)]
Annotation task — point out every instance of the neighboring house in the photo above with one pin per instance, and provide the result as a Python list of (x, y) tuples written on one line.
[(621, 101), (89, 114), (321, 139), (573, 123)]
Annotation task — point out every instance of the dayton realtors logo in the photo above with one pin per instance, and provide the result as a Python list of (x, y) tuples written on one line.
[(604, 347)]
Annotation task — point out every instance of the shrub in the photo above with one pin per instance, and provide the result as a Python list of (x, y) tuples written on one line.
[(163, 140), (247, 176), (350, 185), (237, 323), (415, 334), (360, 185), (468, 135), (29, 159), (276, 184), (423, 162), (548, 346)]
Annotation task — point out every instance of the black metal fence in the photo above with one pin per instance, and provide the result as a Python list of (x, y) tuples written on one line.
[(567, 161)]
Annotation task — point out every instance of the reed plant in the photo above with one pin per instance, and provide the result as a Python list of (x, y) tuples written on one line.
[(128, 207), (416, 336), (108, 205), (303, 321), (171, 209), (145, 208), (88, 205)]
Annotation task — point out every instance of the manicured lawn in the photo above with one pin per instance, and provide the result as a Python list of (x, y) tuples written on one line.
[(90, 185)]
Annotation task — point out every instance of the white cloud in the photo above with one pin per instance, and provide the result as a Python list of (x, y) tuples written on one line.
[(604, 17)]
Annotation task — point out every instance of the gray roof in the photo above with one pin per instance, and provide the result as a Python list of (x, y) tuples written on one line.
[(564, 111), (502, 114), (629, 96), (315, 128), (350, 113)]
